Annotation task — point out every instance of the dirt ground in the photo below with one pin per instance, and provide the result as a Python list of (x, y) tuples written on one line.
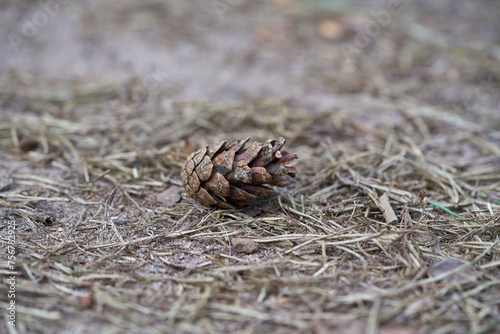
[(391, 225)]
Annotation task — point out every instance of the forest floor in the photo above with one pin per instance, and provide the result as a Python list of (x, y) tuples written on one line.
[(391, 225)]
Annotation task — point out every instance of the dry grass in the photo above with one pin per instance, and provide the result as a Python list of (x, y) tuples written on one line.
[(95, 244), (389, 189)]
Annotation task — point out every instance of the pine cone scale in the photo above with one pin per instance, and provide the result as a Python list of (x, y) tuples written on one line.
[(217, 184), (276, 169), (224, 162), (198, 156), (237, 194), (204, 169), (250, 153), (264, 157), (257, 191), (228, 175), (194, 182), (215, 149), (205, 198), (260, 175)]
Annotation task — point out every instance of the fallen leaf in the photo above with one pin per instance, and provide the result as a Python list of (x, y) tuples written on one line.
[(243, 245), (28, 144), (448, 265), (170, 196)]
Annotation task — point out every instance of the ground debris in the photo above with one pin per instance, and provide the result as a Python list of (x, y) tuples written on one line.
[(169, 196), (452, 270), (244, 245)]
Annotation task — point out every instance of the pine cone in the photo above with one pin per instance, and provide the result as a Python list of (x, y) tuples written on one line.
[(229, 175)]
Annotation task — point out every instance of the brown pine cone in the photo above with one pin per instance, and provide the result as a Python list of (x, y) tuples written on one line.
[(229, 175)]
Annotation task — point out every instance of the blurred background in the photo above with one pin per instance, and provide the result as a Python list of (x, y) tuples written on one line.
[(315, 54)]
